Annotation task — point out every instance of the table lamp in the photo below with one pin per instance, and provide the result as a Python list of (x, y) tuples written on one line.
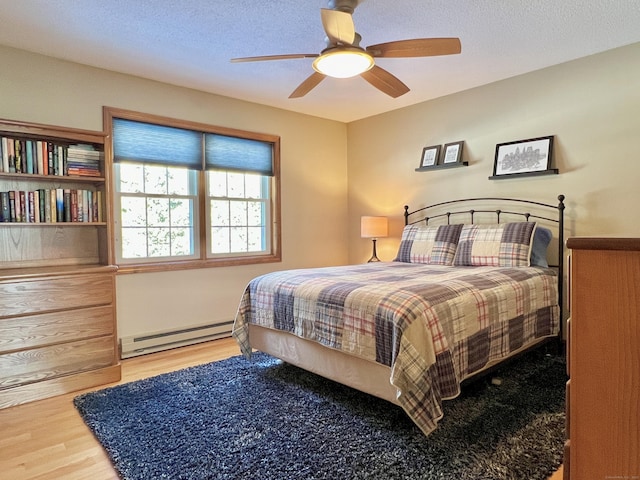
[(374, 228)]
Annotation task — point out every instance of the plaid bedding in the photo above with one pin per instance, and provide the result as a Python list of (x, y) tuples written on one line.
[(433, 325)]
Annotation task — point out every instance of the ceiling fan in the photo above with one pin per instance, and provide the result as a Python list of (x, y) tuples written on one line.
[(344, 57)]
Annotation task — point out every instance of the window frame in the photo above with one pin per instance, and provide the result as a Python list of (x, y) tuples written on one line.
[(209, 225), (117, 202), (204, 259)]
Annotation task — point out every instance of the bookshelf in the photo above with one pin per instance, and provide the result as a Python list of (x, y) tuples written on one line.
[(27, 238), (57, 281)]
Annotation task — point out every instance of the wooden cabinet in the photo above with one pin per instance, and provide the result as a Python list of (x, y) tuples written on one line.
[(604, 359), (57, 331), (57, 284)]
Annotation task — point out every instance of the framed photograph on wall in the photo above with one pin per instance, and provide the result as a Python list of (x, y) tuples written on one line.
[(523, 156), (452, 153), (430, 156)]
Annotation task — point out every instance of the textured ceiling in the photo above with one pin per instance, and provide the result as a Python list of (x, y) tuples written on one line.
[(190, 43)]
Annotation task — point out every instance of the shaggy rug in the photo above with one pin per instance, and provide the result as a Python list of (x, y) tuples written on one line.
[(262, 419)]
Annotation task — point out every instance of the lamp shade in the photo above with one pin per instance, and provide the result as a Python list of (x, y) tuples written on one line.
[(374, 227), (343, 62)]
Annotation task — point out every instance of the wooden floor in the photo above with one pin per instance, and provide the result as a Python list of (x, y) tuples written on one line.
[(48, 439)]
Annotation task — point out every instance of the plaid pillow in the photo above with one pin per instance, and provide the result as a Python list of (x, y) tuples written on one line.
[(434, 245), (502, 245)]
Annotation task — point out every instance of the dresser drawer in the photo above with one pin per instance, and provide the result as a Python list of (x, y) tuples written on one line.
[(18, 333), (38, 364), (24, 297)]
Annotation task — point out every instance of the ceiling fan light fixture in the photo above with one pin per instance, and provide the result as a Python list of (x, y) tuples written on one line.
[(343, 62)]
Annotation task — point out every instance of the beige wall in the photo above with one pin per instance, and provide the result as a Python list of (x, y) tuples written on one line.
[(591, 105), (314, 181)]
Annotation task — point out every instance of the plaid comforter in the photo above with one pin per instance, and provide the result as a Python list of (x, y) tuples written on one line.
[(433, 325)]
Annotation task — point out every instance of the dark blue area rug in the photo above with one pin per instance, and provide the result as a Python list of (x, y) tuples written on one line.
[(261, 419)]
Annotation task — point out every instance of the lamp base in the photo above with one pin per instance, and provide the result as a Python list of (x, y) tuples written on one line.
[(374, 257)]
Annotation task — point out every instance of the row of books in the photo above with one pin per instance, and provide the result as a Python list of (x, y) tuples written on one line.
[(51, 206), (41, 157)]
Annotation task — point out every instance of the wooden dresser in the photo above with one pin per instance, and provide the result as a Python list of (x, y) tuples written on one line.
[(603, 407), (57, 331)]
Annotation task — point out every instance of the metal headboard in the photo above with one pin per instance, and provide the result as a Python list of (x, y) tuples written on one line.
[(461, 208)]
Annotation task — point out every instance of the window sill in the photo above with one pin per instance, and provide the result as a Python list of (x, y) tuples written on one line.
[(193, 264)]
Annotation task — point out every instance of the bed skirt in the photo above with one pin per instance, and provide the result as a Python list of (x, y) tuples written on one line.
[(355, 372)]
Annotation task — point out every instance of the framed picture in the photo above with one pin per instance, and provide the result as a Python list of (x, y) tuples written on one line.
[(430, 156), (452, 153), (523, 156)]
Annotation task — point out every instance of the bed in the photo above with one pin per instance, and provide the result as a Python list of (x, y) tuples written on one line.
[(470, 287)]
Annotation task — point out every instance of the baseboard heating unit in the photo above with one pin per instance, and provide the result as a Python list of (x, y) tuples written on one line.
[(155, 342)]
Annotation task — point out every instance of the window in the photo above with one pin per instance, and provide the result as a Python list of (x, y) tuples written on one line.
[(239, 213), (157, 206), (190, 195)]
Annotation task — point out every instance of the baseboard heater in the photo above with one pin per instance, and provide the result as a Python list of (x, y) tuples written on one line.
[(158, 341)]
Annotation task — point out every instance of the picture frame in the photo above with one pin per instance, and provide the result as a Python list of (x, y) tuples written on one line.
[(452, 153), (523, 156), (430, 156)]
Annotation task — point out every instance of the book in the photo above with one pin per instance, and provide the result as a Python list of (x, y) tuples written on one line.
[(54, 154), (85, 172), (59, 205), (22, 214), (47, 207), (54, 205), (62, 168), (45, 158), (66, 205), (50, 161), (5, 155), (12, 206), (86, 217), (12, 155), (5, 211), (41, 204), (39, 158), (17, 155), (90, 206), (100, 212), (29, 156), (34, 207), (30, 213), (74, 206)]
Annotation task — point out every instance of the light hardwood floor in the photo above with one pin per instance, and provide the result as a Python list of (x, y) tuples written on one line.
[(47, 439)]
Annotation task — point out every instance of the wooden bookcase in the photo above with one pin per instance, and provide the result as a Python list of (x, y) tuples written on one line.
[(57, 283)]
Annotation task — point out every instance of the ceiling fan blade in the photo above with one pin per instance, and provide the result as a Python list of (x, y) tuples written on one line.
[(385, 82), (309, 84), (338, 26), (274, 57), (417, 47)]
